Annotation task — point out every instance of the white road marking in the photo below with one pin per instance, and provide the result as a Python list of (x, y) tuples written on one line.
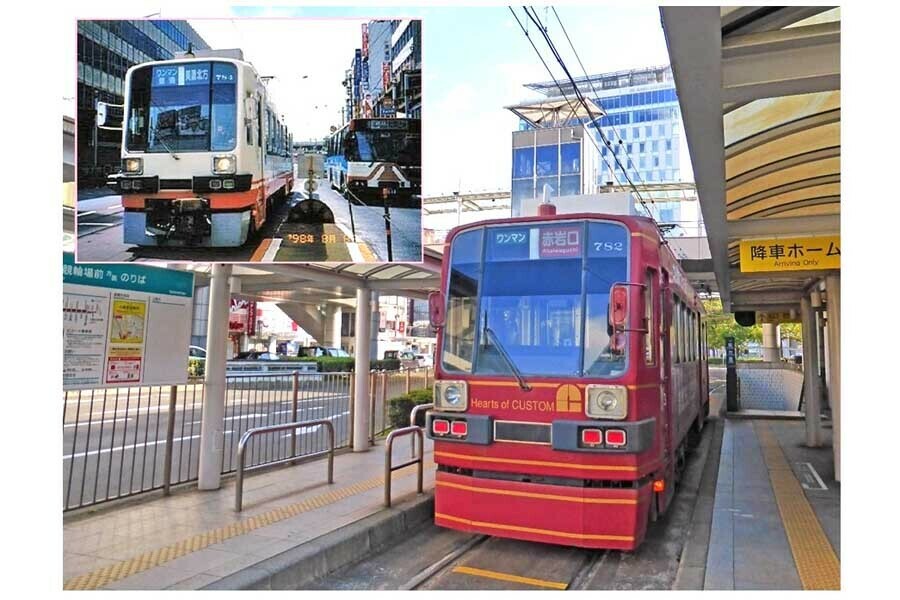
[(94, 423), (131, 447), (815, 474), (86, 213), (272, 250)]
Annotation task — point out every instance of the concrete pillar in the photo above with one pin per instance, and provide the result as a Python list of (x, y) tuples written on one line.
[(833, 306), (373, 331), (770, 345), (333, 325), (360, 400), (811, 395), (212, 424)]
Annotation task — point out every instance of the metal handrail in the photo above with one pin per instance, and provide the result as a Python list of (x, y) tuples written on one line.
[(412, 421), (239, 487), (388, 468)]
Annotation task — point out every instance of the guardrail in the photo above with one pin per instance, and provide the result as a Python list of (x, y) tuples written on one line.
[(389, 469), (242, 446), (118, 442), (412, 421)]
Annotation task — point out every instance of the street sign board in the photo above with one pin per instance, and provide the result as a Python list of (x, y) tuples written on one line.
[(791, 254), (776, 317), (125, 325)]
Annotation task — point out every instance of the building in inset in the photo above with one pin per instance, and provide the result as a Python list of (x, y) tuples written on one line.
[(106, 49), (385, 75), (638, 114)]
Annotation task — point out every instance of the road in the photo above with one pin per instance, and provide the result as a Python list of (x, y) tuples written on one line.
[(356, 237)]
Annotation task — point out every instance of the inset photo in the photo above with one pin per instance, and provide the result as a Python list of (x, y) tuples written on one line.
[(249, 140)]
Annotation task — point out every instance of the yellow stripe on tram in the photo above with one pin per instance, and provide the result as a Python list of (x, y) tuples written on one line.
[(555, 585)]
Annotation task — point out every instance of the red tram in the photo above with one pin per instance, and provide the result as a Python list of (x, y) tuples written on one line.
[(571, 376)]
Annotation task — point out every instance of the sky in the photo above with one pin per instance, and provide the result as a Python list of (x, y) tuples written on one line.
[(476, 61)]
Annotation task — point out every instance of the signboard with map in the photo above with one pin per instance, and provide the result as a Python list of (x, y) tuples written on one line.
[(125, 325)]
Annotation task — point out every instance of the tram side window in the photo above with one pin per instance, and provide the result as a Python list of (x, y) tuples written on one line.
[(462, 302), (649, 357)]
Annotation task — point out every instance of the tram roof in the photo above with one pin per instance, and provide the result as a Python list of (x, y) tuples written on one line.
[(759, 89)]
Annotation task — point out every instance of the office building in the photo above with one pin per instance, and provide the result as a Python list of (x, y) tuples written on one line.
[(106, 49)]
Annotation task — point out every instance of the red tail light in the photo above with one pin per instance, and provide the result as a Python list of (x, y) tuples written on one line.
[(591, 437), (440, 427), (459, 428), (615, 437), (619, 305)]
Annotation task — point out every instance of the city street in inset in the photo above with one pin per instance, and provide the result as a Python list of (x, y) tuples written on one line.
[(193, 151)]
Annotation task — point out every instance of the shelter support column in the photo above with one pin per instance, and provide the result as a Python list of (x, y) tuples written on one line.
[(212, 423), (811, 394), (333, 326), (833, 308), (771, 346), (360, 398)]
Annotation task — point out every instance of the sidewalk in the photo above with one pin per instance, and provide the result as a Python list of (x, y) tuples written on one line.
[(192, 538), (773, 526)]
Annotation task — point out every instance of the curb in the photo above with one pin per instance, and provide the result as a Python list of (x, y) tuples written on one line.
[(691, 573), (325, 554)]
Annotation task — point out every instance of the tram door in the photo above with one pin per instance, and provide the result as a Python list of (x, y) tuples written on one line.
[(666, 335)]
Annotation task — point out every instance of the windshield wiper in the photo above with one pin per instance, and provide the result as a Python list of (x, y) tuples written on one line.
[(512, 366)]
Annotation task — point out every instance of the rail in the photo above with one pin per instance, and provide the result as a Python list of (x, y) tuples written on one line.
[(412, 421), (239, 485), (389, 468)]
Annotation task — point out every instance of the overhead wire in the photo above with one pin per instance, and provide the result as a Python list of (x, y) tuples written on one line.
[(562, 93), (532, 15)]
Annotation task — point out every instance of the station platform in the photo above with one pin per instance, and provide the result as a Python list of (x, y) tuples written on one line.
[(773, 515), (192, 539)]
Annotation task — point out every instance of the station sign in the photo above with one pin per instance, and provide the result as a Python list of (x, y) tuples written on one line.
[(775, 318), (125, 325), (791, 254)]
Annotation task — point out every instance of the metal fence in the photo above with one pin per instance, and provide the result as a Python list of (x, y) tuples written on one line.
[(123, 441)]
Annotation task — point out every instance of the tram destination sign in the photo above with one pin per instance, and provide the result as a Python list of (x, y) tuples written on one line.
[(791, 254)]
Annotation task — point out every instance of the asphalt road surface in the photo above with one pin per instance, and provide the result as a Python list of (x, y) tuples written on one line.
[(358, 234)]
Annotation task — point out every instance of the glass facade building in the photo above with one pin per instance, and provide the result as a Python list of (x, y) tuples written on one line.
[(106, 49), (642, 124)]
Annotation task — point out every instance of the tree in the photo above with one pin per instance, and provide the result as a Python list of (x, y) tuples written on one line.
[(721, 325)]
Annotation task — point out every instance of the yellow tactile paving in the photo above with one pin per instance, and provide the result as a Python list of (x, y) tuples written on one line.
[(148, 560), (817, 564)]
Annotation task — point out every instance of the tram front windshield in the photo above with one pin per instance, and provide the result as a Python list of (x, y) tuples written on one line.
[(535, 299), (186, 107)]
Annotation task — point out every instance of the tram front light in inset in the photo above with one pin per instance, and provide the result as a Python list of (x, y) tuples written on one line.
[(606, 402), (224, 165), (133, 166)]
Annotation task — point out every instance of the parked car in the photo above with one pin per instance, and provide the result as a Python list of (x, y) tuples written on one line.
[(424, 360), (316, 351), (256, 355), (197, 352)]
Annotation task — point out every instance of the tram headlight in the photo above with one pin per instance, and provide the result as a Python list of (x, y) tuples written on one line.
[(606, 402), (224, 165), (451, 395), (133, 166)]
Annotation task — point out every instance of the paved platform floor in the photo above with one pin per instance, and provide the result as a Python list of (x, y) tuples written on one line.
[(776, 516), (193, 538)]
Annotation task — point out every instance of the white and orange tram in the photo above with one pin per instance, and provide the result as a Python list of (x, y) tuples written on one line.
[(205, 156)]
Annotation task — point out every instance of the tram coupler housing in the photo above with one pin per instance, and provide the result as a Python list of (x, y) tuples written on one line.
[(188, 219)]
